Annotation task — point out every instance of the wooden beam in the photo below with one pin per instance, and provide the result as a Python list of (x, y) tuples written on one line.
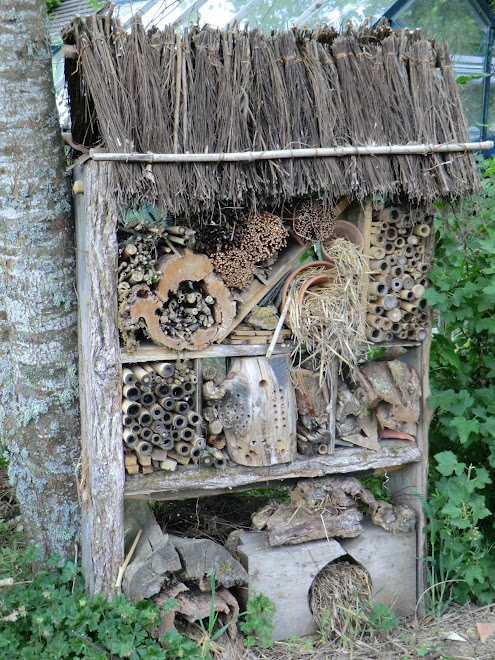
[(100, 377)]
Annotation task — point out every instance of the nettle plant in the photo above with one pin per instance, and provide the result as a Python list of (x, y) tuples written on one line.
[(462, 375)]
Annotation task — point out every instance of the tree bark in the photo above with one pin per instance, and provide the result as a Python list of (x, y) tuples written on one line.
[(38, 334)]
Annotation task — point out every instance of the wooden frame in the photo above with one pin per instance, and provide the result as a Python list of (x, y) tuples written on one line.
[(103, 485)]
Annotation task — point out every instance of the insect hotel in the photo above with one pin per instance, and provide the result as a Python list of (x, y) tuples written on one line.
[(254, 234)]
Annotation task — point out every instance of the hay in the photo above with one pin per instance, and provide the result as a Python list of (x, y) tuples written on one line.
[(338, 591), (240, 90), (329, 321)]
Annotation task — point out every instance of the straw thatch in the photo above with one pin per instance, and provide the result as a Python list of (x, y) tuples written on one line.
[(208, 90)]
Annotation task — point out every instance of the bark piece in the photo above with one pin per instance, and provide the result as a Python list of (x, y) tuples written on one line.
[(393, 517), (202, 557), (311, 396)]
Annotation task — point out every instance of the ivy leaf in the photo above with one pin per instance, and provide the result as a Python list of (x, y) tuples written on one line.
[(448, 463)]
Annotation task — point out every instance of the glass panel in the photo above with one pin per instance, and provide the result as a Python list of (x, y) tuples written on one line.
[(339, 13)]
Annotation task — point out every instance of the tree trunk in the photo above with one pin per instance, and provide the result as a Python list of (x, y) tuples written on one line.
[(38, 369)]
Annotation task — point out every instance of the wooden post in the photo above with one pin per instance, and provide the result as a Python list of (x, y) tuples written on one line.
[(100, 378)]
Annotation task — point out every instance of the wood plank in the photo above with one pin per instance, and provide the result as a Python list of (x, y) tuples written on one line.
[(257, 291), (100, 378), (195, 481), (151, 352)]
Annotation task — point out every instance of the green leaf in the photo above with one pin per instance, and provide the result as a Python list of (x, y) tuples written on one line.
[(465, 427), (448, 463)]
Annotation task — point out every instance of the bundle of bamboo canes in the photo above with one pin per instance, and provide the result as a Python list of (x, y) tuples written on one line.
[(399, 261)]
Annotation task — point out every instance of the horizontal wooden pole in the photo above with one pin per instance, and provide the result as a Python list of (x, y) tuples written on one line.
[(317, 152)]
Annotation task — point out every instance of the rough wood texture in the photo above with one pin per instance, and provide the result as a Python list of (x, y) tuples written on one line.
[(258, 411), (257, 291), (147, 352), (196, 482), (176, 268), (100, 374), (391, 562), (285, 576), (312, 399)]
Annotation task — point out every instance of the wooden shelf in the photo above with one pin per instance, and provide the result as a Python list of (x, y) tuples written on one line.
[(151, 352), (195, 481)]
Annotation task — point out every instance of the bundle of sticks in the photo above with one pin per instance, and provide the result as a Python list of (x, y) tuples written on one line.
[(161, 426), (313, 436), (139, 251), (187, 310), (400, 263)]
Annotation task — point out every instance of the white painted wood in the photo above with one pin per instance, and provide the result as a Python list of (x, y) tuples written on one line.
[(147, 352), (100, 374)]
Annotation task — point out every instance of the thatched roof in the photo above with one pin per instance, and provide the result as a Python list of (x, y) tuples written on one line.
[(208, 90)]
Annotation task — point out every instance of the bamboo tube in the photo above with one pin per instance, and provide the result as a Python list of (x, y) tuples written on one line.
[(377, 239), (399, 243), (392, 260), (179, 421), (141, 374), (409, 251), (396, 328), (323, 449), (378, 227), (374, 321), (189, 388), (143, 447), (411, 265), (136, 428), (421, 334), (417, 255), (167, 418), (145, 418), (182, 448), (167, 443), (422, 304), (397, 271), (156, 439), (215, 427), (406, 295), (418, 290), (156, 411), (126, 420), (167, 402), (407, 326), (387, 279), (389, 247), (162, 390), (198, 442), (412, 240), (387, 302), (422, 268), (168, 464), (379, 265), (378, 288), (388, 336), (219, 463), (128, 377), (391, 234), (390, 214), (420, 248), (186, 434), (396, 284), (407, 282), (195, 454), (406, 317), (131, 408), (164, 369), (377, 252), (129, 438), (193, 418), (181, 407), (375, 309), (183, 460), (409, 307), (422, 317), (402, 334), (148, 398), (386, 324), (178, 392), (131, 392), (422, 230), (206, 459), (374, 334), (147, 367), (401, 260), (394, 314), (146, 433), (424, 282)]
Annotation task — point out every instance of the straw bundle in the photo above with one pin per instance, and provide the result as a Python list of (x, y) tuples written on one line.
[(337, 592), (329, 321), (239, 90)]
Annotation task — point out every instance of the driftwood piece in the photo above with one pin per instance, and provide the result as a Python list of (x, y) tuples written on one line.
[(394, 383), (202, 557), (311, 396), (258, 411), (326, 508), (176, 268), (154, 558)]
